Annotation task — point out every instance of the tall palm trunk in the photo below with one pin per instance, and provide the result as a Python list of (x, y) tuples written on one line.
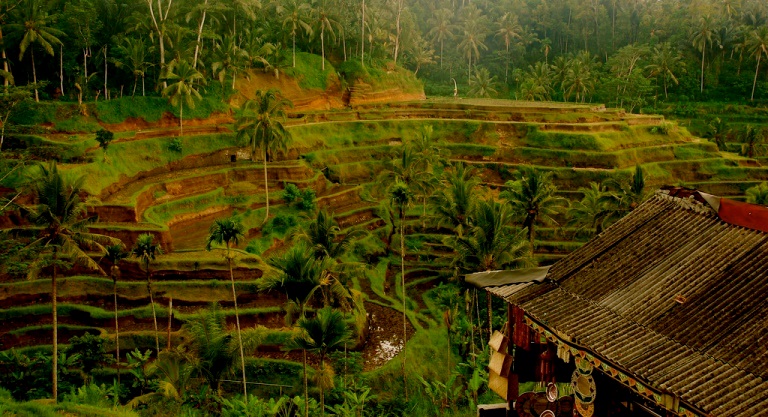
[(154, 313), (402, 281), (266, 185), (61, 65), (757, 69), (362, 37), (34, 74), (114, 271), (181, 117), (322, 387), (199, 35), (237, 321), (106, 90), (294, 49), (703, 49), (322, 43), (306, 390), (6, 82), (54, 311)]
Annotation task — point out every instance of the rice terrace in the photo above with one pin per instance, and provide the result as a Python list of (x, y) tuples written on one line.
[(320, 208)]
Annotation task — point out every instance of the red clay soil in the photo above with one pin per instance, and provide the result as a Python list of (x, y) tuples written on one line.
[(303, 100), (168, 120)]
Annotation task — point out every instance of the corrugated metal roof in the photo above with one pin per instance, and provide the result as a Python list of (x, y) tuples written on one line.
[(672, 294)]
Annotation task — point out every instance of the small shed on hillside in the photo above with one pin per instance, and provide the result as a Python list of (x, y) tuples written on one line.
[(664, 313)]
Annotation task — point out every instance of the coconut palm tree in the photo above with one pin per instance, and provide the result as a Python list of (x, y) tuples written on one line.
[(60, 234), (320, 334), (474, 31), (491, 243), (326, 22), (665, 62), (261, 123), (295, 13), (135, 59), (483, 84), (183, 78), (401, 198), (146, 250), (115, 254), (578, 80), (34, 29), (229, 231), (590, 212), (702, 36), (442, 28), (299, 275), (215, 350), (509, 29), (454, 203), (533, 200), (228, 58), (758, 46), (324, 235)]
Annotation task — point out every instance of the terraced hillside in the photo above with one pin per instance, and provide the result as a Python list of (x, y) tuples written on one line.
[(146, 187)]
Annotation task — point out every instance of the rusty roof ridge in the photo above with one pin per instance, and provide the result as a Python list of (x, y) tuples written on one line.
[(690, 201), (656, 384)]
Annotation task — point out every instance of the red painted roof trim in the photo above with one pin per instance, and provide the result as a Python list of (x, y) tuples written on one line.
[(746, 215)]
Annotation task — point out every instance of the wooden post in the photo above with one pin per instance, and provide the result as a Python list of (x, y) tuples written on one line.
[(490, 316), (512, 385), (170, 320)]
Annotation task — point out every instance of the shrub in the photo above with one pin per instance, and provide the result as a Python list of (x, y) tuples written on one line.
[(280, 224), (175, 145), (291, 193)]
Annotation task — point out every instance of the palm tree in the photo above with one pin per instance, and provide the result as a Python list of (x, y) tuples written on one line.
[(296, 17), (701, 37), (229, 231), (401, 197), (324, 235), (183, 77), (454, 202), (228, 58), (441, 28), (591, 211), (326, 331), (491, 243), (261, 122), (537, 82), (474, 32), (299, 275), (578, 81), (718, 131), (509, 30), (751, 136), (758, 194), (484, 85), (214, 349), (135, 58), (145, 249), (533, 200), (758, 46), (421, 54), (115, 254), (326, 22), (665, 61), (61, 231), (34, 29)]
